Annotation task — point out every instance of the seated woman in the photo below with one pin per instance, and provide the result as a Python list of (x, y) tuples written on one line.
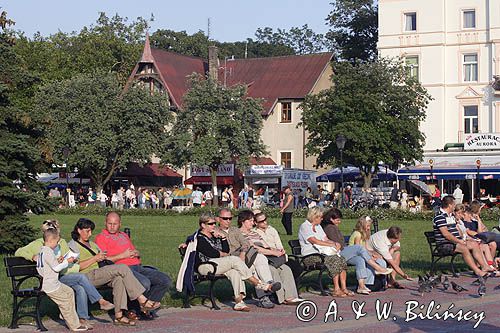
[(468, 230), (280, 272), (119, 277), (313, 240), (362, 231), (356, 255), (474, 211), (84, 290), (212, 246)]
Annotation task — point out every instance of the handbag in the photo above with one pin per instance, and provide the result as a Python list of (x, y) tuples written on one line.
[(275, 261), (327, 250), (250, 256), (102, 263)]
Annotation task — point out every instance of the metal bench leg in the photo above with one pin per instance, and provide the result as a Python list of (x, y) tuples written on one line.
[(320, 283), (15, 312), (453, 270), (38, 318), (212, 296), (433, 266)]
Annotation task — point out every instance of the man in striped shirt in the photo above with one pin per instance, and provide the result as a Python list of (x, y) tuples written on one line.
[(448, 237)]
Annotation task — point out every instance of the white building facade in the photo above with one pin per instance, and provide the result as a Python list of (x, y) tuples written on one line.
[(453, 47)]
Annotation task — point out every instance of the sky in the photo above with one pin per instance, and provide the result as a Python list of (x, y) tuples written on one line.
[(229, 20)]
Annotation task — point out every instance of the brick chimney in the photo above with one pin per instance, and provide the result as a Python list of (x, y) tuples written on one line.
[(213, 62)]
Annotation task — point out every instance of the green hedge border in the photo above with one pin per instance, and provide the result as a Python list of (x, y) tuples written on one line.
[(491, 214)]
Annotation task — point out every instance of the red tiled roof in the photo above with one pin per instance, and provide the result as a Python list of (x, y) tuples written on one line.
[(174, 69), (276, 77), (149, 170), (262, 161), (268, 78)]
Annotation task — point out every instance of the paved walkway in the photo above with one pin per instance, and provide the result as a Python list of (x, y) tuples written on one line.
[(406, 305)]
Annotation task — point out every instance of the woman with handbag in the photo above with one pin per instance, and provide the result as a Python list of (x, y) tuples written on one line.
[(313, 240), (119, 277)]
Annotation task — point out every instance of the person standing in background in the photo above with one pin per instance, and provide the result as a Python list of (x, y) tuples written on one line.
[(287, 210)]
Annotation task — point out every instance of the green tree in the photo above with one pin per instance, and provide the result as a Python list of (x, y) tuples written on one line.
[(302, 40), (111, 44), (19, 157), (354, 32), (102, 129), (377, 106), (216, 125)]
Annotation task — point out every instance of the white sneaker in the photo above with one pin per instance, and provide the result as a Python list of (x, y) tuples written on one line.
[(241, 306), (294, 301)]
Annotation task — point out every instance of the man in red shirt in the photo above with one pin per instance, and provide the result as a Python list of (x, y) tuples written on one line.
[(119, 249)]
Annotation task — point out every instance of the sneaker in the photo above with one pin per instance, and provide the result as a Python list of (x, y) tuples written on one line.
[(294, 301), (386, 272), (269, 287), (80, 329), (265, 302), (107, 306), (241, 306), (363, 291), (84, 322)]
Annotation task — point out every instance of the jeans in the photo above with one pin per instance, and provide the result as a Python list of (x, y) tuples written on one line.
[(358, 256), (84, 292), (155, 282), (286, 220)]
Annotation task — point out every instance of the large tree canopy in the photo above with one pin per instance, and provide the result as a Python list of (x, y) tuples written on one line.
[(103, 130), (377, 106), (302, 40), (19, 157), (217, 125), (354, 32)]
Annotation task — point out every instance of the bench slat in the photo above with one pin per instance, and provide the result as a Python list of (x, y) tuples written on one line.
[(22, 271)]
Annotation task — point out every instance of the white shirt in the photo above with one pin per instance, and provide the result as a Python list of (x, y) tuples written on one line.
[(48, 267), (305, 232), (271, 237), (379, 242), (103, 197), (208, 195), (197, 195)]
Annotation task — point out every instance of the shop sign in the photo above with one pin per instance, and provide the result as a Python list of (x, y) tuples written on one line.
[(275, 170), (224, 170), (482, 141), (299, 179)]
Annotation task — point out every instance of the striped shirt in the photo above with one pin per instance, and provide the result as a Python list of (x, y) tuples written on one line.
[(444, 219)]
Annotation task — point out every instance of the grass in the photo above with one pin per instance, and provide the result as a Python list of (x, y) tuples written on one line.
[(157, 237)]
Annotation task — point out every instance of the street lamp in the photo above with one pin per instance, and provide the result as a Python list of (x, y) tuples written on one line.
[(340, 141), (65, 152), (431, 163), (478, 180)]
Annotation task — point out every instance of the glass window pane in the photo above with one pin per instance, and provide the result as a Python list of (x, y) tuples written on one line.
[(470, 57), (412, 60), (467, 74), (475, 128), (469, 19), (470, 111), (411, 21), (467, 125)]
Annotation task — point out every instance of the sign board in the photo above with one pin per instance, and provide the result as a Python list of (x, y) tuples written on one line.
[(274, 170), (204, 171), (482, 141), (299, 179)]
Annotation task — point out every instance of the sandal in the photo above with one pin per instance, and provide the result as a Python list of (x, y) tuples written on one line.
[(348, 292), (363, 291), (339, 293), (123, 321), (132, 315), (145, 307)]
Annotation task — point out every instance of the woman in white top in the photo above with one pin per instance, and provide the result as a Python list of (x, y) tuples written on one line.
[(313, 240)]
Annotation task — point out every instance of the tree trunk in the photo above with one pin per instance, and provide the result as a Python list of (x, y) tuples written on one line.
[(213, 175), (368, 178)]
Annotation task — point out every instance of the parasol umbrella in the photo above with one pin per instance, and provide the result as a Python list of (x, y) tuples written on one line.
[(182, 193), (421, 186)]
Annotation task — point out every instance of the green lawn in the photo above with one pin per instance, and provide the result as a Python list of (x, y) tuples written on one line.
[(157, 238)]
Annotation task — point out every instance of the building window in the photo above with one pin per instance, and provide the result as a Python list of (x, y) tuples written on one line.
[(411, 22), (469, 19), (471, 119), (470, 67), (286, 159), (286, 112), (412, 66)]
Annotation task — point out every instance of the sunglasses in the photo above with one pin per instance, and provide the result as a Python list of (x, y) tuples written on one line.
[(211, 223), (261, 221), (226, 218)]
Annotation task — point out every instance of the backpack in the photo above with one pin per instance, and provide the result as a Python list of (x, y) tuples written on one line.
[(94, 196)]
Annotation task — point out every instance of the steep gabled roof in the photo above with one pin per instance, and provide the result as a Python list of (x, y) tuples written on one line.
[(274, 78), (175, 68)]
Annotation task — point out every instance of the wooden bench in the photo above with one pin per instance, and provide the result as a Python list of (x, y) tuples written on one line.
[(437, 255), (22, 272), (199, 278)]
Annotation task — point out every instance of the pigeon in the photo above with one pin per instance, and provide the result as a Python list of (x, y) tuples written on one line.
[(477, 282), (420, 280), (457, 288), (425, 286), (446, 283), (435, 281), (482, 288)]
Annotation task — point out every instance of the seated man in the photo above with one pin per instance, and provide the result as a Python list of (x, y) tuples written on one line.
[(120, 250), (447, 238), (386, 243)]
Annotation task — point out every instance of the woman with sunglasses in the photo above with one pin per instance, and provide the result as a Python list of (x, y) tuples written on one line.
[(212, 246)]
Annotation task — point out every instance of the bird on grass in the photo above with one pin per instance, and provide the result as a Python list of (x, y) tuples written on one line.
[(457, 288)]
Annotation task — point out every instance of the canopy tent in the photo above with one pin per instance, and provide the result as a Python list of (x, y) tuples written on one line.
[(182, 193), (352, 173), (426, 173)]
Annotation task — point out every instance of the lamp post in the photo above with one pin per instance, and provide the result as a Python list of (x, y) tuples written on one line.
[(478, 180), (340, 141), (66, 151), (431, 163)]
